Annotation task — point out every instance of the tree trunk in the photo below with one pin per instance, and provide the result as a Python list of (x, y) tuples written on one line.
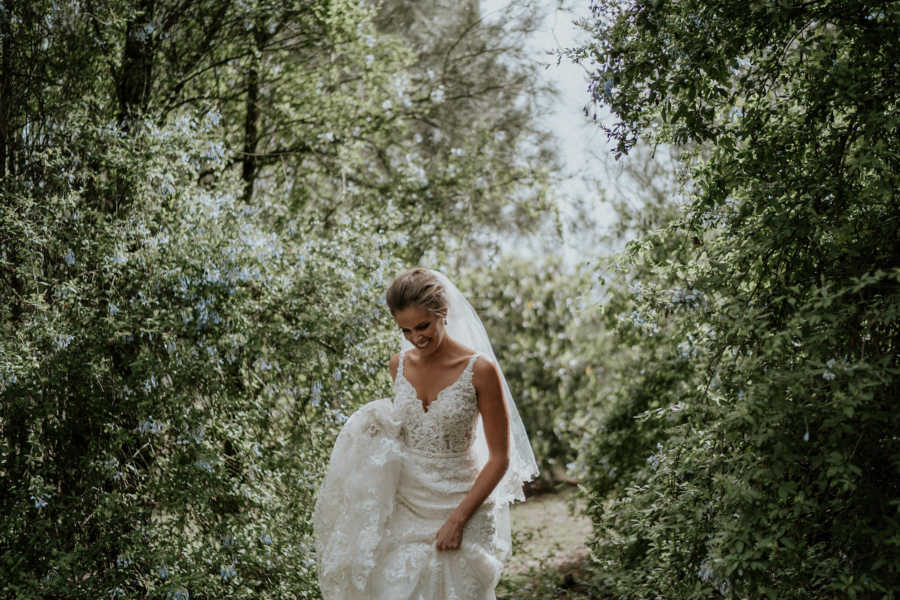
[(136, 74), (5, 97), (251, 133)]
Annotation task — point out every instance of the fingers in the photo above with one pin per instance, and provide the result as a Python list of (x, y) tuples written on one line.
[(447, 540), (441, 544)]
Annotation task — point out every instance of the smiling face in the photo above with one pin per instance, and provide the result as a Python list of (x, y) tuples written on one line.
[(424, 329)]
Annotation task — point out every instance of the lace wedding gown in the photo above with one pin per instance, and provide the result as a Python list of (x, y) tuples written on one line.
[(396, 472)]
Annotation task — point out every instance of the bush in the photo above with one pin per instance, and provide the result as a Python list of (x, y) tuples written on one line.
[(172, 376), (747, 442)]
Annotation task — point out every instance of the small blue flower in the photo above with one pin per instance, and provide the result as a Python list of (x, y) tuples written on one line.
[(62, 341), (266, 539), (39, 502), (163, 572), (213, 117), (227, 572), (705, 572), (205, 465), (113, 309), (69, 257)]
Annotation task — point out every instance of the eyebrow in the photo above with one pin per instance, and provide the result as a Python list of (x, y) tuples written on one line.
[(416, 325)]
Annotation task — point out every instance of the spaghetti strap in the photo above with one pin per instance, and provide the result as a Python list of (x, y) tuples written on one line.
[(472, 360), (400, 365)]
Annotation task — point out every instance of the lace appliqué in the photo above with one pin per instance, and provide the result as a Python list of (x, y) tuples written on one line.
[(350, 511), (396, 473), (448, 426)]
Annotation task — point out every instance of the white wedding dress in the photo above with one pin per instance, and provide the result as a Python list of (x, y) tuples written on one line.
[(395, 474)]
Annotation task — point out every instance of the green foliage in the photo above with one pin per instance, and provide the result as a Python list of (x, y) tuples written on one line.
[(747, 430), (171, 381), (200, 207), (484, 98)]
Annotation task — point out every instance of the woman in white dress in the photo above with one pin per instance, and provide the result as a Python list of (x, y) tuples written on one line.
[(415, 502)]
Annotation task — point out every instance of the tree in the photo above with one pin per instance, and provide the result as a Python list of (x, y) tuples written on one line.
[(765, 331), (200, 207), (484, 97)]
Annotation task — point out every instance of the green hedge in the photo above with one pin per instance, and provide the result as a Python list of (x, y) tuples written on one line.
[(172, 376), (746, 441)]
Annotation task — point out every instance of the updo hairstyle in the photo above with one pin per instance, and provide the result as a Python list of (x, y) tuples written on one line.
[(417, 287)]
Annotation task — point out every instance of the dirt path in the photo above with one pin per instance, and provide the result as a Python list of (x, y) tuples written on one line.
[(549, 537)]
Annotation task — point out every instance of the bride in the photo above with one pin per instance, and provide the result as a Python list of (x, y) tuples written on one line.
[(415, 502)]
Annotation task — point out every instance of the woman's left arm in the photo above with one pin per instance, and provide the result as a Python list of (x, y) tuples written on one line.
[(495, 418)]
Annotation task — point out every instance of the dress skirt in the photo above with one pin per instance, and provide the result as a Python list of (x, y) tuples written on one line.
[(378, 512)]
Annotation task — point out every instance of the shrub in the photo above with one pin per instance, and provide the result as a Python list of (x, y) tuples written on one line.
[(747, 444)]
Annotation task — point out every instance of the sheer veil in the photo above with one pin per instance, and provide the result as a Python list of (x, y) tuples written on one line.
[(464, 326)]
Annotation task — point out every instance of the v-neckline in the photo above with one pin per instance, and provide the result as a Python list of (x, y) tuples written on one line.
[(421, 402)]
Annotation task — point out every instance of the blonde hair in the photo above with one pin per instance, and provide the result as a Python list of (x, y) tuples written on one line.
[(417, 287)]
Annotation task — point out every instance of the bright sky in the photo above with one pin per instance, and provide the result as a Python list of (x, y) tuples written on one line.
[(576, 135)]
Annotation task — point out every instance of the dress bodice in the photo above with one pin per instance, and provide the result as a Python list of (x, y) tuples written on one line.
[(448, 425)]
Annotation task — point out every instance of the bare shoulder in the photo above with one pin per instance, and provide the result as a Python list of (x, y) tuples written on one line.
[(395, 360), (486, 377)]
